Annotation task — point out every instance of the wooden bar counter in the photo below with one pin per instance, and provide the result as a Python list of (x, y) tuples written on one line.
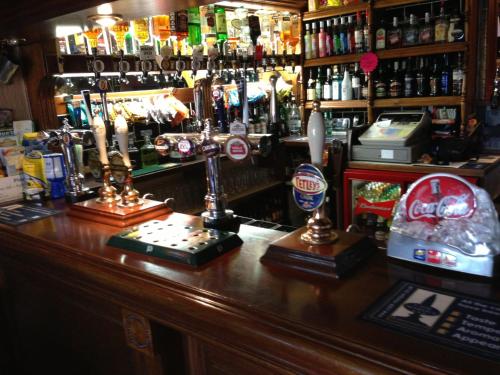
[(72, 305)]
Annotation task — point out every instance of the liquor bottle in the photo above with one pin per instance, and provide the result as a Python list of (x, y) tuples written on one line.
[(409, 79), (394, 35), (364, 86), (356, 82), (425, 33), (161, 27), (254, 26), (346, 85), (311, 87), (149, 156), (327, 85), (120, 29), (329, 38), (358, 34), (294, 120), (133, 153), (141, 30), (181, 25), (435, 80), (241, 14), (395, 87), (441, 26), (456, 31), (319, 84), (220, 23), (367, 40), (337, 45), (422, 79), (351, 29), (446, 77), (411, 32), (381, 231), (294, 32), (380, 84), (314, 41), (322, 40), (458, 77), (194, 26), (307, 43), (344, 46), (336, 84), (380, 36)]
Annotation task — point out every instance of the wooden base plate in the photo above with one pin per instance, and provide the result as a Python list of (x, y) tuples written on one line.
[(118, 216), (330, 261)]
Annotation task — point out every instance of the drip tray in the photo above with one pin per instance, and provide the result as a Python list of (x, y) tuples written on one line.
[(175, 242), (266, 224)]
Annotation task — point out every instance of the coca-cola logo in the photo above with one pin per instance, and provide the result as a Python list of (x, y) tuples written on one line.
[(437, 197)]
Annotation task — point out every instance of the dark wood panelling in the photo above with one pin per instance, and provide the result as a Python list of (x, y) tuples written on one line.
[(15, 97)]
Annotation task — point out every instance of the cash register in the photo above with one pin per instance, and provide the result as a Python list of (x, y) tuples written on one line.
[(396, 137)]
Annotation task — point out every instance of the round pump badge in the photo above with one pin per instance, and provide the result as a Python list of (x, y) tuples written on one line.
[(185, 147), (309, 187), (237, 148), (440, 196)]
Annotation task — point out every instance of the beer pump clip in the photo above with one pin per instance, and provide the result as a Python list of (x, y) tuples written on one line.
[(446, 222)]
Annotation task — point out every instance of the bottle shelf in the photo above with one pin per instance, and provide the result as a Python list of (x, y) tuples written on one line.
[(334, 11), (332, 104), (423, 50), (379, 4), (418, 102), (332, 60)]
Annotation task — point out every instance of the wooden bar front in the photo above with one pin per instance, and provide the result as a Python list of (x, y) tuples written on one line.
[(72, 305)]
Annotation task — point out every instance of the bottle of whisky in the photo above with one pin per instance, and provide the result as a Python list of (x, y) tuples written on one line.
[(395, 82), (380, 84), (149, 155), (409, 79), (394, 35), (426, 33), (311, 87), (441, 26), (446, 77), (435, 80), (422, 78), (380, 36)]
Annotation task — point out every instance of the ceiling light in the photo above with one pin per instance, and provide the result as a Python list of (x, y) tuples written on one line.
[(105, 20), (105, 9), (62, 31)]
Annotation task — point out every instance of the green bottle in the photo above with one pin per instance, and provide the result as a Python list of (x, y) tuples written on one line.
[(148, 153), (220, 23), (194, 26)]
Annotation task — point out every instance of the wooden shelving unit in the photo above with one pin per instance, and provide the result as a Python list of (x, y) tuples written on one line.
[(334, 11), (418, 102), (331, 104), (374, 9)]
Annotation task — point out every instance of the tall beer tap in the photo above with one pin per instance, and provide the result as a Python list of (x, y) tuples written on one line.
[(216, 215), (319, 227)]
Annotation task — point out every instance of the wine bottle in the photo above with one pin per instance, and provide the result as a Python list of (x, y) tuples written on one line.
[(358, 34), (367, 40), (356, 83), (351, 29), (329, 38), (319, 84), (314, 42)]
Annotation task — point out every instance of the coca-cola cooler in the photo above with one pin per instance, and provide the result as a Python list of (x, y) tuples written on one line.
[(370, 197)]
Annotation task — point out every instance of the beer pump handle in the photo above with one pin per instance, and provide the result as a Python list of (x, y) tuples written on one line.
[(121, 132), (316, 135), (99, 130)]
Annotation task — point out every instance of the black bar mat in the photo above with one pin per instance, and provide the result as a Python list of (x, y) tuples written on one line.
[(16, 214), (459, 321)]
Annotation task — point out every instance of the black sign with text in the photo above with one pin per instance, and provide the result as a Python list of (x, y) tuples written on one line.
[(455, 320), (17, 214)]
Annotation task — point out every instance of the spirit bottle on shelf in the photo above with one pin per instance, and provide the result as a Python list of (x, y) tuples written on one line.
[(344, 43), (307, 43), (446, 77), (422, 78), (141, 30), (329, 38), (358, 34), (425, 33), (441, 26), (322, 40), (149, 156), (120, 30), (220, 23), (336, 84), (411, 32), (458, 77), (311, 87), (380, 37), (409, 79), (319, 84), (435, 80), (294, 33), (367, 40), (380, 84), (351, 41), (394, 35), (346, 85), (327, 85), (337, 44), (194, 26), (294, 120), (395, 82), (356, 82), (314, 42), (181, 25), (456, 31)]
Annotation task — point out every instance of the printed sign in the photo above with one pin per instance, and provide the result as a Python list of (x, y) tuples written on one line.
[(456, 320), (146, 53), (440, 197), (237, 149), (309, 187)]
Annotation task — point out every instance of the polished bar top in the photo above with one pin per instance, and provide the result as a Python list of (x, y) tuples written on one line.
[(289, 319)]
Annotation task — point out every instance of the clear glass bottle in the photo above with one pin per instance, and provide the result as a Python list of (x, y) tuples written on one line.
[(346, 85), (411, 32), (425, 33), (336, 84), (458, 77), (394, 35), (294, 120), (441, 27), (307, 43), (327, 85)]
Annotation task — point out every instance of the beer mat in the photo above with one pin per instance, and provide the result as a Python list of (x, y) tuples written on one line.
[(464, 323), (17, 214)]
